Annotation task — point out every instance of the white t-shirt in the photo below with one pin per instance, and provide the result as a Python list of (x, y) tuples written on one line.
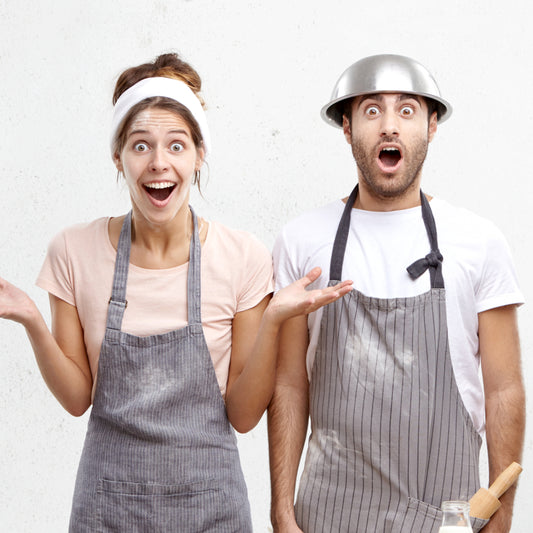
[(236, 274), (478, 271)]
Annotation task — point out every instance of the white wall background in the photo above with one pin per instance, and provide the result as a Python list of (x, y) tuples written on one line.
[(267, 67)]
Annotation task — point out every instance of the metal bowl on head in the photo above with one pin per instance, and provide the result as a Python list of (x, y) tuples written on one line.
[(385, 73)]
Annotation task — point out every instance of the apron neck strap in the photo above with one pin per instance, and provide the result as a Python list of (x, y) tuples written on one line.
[(118, 302), (432, 261), (194, 284), (341, 238)]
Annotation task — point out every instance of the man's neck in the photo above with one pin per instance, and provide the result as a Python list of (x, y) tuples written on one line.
[(368, 200), (386, 204)]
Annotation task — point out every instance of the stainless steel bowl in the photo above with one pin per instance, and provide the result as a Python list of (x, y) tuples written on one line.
[(385, 73)]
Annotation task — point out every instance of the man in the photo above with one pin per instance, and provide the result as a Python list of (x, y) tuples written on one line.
[(389, 373)]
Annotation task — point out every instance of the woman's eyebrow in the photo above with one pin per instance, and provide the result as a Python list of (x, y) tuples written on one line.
[(134, 132)]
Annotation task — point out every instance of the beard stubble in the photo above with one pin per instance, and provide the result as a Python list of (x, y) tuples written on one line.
[(384, 185)]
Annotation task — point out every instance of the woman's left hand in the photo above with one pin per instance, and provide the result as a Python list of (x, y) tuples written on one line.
[(295, 300), (254, 351)]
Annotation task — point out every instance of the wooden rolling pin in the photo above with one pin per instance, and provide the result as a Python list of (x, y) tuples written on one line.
[(485, 502)]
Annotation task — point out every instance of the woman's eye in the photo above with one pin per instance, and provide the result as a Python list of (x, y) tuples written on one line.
[(140, 147), (372, 111), (176, 147), (406, 111)]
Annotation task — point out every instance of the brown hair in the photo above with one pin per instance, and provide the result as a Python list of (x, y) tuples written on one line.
[(165, 66)]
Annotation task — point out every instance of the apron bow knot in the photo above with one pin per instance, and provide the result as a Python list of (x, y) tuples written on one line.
[(433, 259)]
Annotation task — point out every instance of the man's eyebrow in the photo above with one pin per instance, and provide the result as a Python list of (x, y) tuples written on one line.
[(379, 97), (410, 97), (374, 96)]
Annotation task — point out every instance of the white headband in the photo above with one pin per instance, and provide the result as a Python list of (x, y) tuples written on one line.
[(167, 87)]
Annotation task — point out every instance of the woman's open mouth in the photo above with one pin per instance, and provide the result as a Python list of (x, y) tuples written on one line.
[(389, 159), (159, 191)]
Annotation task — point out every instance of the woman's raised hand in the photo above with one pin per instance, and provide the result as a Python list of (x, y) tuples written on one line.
[(16, 304), (68, 377), (295, 300)]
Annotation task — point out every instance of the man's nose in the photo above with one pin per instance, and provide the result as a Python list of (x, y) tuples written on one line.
[(389, 125)]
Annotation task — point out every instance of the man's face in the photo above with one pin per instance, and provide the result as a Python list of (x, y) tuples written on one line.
[(389, 135)]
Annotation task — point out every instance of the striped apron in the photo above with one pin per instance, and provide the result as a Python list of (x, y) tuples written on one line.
[(391, 438), (159, 455)]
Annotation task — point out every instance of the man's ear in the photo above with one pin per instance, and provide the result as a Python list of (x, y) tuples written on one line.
[(347, 129), (432, 126)]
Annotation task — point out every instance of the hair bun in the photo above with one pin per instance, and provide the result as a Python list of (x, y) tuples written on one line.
[(167, 65)]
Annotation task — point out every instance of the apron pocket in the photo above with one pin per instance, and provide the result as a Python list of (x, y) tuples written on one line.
[(141, 507), (422, 516), (418, 516)]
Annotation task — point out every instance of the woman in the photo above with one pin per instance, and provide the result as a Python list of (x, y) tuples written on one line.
[(162, 321)]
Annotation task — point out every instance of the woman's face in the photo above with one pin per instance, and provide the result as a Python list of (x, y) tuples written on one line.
[(159, 160)]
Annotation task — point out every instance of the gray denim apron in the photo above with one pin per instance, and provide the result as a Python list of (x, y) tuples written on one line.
[(159, 455), (391, 438)]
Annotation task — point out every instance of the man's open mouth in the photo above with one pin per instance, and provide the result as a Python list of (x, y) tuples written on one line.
[(159, 191), (390, 157)]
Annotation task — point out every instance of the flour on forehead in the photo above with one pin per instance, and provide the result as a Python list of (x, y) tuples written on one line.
[(157, 118)]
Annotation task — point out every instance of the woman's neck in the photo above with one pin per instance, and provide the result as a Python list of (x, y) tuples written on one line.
[(158, 246)]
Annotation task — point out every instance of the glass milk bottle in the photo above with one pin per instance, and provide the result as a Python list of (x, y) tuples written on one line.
[(455, 518)]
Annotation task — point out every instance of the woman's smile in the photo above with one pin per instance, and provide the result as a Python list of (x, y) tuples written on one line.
[(160, 192)]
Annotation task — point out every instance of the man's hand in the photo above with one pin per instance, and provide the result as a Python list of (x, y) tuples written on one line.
[(499, 523), (291, 527)]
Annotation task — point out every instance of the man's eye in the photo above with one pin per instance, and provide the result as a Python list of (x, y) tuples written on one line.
[(140, 147), (372, 111), (176, 147), (406, 111)]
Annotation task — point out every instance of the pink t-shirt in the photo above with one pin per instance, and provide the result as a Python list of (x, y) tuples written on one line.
[(236, 276)]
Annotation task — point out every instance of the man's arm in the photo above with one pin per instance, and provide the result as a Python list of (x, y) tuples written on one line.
[(504, 401), (287, 422)]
